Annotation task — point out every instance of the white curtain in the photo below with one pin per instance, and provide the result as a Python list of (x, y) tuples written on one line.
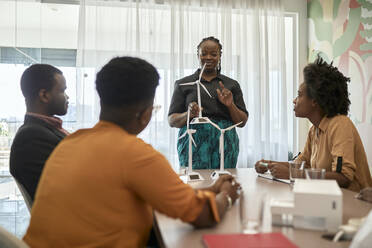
[(166, 33)]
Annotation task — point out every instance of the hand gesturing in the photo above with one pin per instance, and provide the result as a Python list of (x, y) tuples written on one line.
[(224, 95)]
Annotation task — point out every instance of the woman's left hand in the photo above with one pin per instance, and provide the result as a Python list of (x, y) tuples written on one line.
[(279, 170), (225, 96), (366, 194)]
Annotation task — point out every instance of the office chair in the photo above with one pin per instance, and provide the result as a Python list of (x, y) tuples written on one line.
[(25, 195), (8, 240)]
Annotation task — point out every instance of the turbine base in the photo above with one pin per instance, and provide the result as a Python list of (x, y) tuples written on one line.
[(200, 120), (217, 173), (194, 176)]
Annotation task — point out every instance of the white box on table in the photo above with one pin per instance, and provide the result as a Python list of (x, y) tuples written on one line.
[(316, 204)]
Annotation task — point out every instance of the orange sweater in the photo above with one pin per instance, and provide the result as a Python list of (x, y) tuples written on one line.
[(99, 187)]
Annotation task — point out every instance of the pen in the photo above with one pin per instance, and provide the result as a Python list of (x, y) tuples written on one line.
[(298, 154)]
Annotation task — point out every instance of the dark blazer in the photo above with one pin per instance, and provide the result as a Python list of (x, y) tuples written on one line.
[(34, 142)]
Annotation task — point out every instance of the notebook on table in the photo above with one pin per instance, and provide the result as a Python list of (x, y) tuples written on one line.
[(265, 240), (268, 175)]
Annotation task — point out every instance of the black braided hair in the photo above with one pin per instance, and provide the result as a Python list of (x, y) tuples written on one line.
[(217, 41)]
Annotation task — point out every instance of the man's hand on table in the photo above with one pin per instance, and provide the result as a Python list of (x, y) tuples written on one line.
[(226, 183), (216, 187)]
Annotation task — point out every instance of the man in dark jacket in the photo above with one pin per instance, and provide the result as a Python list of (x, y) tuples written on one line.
[(43, 87)]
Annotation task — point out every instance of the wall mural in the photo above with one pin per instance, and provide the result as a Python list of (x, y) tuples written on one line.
[(341, 31)]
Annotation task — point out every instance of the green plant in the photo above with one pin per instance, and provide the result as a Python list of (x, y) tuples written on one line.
[(4, 131)]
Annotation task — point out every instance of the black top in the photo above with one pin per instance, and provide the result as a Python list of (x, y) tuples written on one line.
[(34, 142), (212, 107)]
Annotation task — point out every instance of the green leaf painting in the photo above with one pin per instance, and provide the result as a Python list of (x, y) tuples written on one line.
[(365, 4), (315, 53), (336, 5), (340, 31), (366, 20), (367, 33), (347, 38), (323, 29)]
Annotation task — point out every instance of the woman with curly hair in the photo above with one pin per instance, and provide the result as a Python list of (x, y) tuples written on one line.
[(333, 142)]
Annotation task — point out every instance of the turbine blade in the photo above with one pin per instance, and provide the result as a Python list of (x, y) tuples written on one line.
[(183, 135), (205, 89), (201, 72), (191, 83), (214, 124), (231, 127)]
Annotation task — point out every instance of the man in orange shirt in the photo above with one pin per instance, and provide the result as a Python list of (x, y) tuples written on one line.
[(100, 185), (333, 142)]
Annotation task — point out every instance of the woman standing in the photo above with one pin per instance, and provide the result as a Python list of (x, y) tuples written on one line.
[(225, 108)]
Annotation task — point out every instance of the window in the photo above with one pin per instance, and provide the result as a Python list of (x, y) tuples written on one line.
[(52, 38), (291, 58)]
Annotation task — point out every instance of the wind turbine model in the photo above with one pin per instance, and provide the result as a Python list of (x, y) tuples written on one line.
[(200, 119), (191, 175), (222, 171)]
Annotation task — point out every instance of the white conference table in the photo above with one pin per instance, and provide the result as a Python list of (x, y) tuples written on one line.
[(175, 233)]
